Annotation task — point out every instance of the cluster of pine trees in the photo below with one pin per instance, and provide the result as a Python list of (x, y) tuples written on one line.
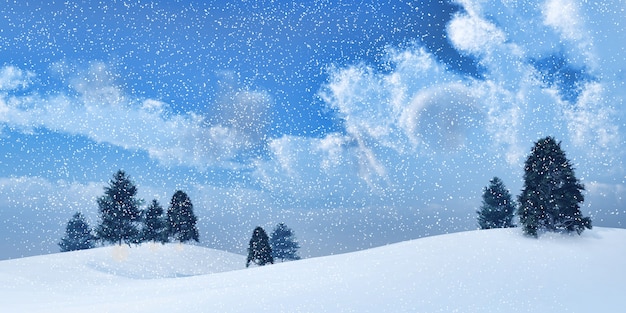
[(550, 199), (281, 245), (122, 220)]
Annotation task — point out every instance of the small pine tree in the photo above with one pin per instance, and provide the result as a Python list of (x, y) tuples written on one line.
[(155, 224), (259, 251), (181, 221), (78, 235), (119, 211), (283, 243), (497, 209), (551, 196)]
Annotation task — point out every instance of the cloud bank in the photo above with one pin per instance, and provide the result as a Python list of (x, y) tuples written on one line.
[(97, 107)]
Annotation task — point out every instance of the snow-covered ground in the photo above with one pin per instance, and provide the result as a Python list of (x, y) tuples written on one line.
[(478, 271)]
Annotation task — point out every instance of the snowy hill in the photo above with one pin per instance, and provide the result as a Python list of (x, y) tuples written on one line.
[(478, 271)]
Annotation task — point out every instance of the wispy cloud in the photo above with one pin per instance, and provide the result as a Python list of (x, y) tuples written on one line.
[(474, 35), (590, 120), (98, 108), (12, 77), (566, 17)]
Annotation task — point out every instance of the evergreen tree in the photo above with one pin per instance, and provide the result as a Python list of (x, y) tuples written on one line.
[(497, 209), (283, 243), (155, 224), (78, 235), (181, 221), (551, 195), (119, 211), (259, 251)]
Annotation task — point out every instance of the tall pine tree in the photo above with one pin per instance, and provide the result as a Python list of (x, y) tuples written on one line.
[(78, 235), (551, 195), (181, 221), (119, 211), (283, 243), (497, 209), (155, 224), (259, 250)]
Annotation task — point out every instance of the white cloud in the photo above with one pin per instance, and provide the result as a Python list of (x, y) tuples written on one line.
[(329, 172), (12, 78), (102, 112), (589, 120), (474, 35), (565, 17), (332, 147), (153, 106)]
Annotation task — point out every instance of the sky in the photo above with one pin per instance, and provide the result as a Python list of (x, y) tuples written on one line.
[(356, 124)]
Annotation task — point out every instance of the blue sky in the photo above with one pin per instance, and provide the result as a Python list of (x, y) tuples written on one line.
[(356, 124)]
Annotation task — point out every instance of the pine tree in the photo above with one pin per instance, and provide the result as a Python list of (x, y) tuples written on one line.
[(78, 235), (181, 221), (259, 251), (119, 211), (155, 224), (551, 196), (283, 243), (497, 209)]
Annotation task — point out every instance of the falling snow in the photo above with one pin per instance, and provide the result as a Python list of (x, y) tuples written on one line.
[(356, 123)]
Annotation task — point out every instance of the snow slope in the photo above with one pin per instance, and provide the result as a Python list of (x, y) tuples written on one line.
[(478, 271)]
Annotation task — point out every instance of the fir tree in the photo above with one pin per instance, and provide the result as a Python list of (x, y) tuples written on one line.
[(181, 221), (551, 195), (259, 251), (78, 235), (283, 243), (497, 209), (119, 211), (155, 224)]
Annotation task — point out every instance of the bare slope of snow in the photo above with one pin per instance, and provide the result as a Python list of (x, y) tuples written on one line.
[(478, 271)]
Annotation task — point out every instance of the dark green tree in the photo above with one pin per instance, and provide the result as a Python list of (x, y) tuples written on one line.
[(78, 235), (259, 251), (283, 243), (119, 211), (551, 195), (155, 224), (497, 209), (181, 221)]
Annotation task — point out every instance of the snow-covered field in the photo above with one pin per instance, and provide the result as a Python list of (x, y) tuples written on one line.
[(478, 271)]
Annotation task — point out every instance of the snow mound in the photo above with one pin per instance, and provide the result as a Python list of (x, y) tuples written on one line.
[(479, 271), (153, 261), (147, 261)]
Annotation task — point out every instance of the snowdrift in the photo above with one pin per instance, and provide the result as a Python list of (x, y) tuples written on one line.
[(479, 271)]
